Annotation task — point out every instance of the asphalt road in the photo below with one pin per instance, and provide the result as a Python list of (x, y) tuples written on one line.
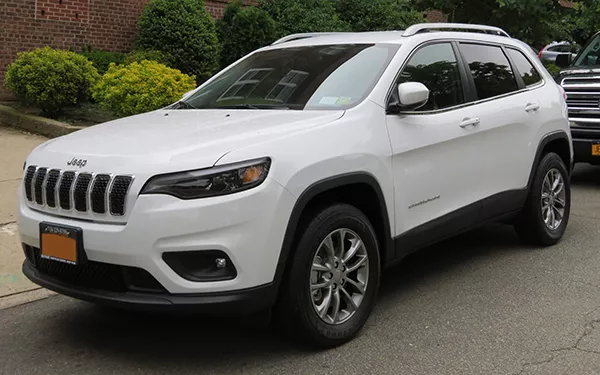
[(479, 304)]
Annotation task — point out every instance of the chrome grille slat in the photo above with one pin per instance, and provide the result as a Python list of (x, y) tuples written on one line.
[(98, 194), (72, 191), (80, 192), (38, 182), (118, 195), (50, 188), (64, 190), (28, 182)]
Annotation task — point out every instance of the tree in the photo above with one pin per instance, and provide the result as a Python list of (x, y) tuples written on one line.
[(293, 16), (184, 30), (376, 15), (242, 30), (536, 22), (584, 20)]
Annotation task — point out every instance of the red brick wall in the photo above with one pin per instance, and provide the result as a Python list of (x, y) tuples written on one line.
[(63, 10), (107, 24)]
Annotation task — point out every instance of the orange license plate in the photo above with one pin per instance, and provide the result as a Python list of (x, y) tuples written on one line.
[(60, 243), (596, 149)]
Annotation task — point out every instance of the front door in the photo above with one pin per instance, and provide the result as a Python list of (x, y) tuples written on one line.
[(436, 151)]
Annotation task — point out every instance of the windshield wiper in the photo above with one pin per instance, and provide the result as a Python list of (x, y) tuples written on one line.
[(182, 105), (253, 106)]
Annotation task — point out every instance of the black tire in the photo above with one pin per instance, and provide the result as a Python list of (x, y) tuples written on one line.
[(531, 227), (295, 312)]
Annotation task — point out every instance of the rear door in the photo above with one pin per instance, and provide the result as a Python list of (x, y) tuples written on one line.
[(509, 116)]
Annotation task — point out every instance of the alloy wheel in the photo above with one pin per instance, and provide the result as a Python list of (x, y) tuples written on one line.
[(339, 276), (553, 199)]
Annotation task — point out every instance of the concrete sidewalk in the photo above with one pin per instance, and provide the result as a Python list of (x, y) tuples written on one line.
[(15, 288)]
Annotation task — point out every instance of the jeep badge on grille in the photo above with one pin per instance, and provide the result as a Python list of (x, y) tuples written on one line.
[(77, 162)]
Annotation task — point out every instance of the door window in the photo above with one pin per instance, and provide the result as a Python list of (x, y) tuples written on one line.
[(490, 68), (526, 69), (436, 67)]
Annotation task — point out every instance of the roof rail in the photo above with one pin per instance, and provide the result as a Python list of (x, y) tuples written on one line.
[(425, 27), (291, 37)]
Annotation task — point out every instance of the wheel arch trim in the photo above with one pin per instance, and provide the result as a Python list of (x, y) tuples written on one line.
[(546, 139), (323, 186)]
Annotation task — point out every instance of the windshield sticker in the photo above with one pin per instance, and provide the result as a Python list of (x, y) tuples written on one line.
[(343, 100), (329, 100), (333, 100)]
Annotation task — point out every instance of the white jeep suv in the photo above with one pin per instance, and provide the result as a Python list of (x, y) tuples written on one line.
[(289, 180)]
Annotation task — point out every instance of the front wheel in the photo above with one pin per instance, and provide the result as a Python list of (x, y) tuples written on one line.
[(331, 286), (546, 212)]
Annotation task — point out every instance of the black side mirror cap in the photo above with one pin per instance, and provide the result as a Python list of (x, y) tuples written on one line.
[(563, 60)]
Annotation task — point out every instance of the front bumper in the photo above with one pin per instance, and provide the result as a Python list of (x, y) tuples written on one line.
[(583, 139), (248, 227), (229, 303)]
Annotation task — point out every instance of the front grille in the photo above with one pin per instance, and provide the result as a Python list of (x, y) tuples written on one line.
[(583, 98), (95, 275), (84, 192)]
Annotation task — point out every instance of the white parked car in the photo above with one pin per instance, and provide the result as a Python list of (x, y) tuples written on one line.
[(290, 180)]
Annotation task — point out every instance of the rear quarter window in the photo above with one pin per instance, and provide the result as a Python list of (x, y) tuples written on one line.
[(490, 69), (525, 68)]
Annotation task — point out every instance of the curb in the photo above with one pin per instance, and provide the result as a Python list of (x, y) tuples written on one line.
[(10, 117)]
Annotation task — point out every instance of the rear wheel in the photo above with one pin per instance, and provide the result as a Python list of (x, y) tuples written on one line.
[(330, 288), (546, 212)]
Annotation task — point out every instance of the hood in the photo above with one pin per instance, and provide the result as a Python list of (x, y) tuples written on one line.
[(578, 71), (188, 138)]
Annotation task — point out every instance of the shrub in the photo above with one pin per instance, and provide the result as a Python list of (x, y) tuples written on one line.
[(553, 69), (51, 79), (242, 30), (141, 87), (184, 30), (151, 55), (294, 16), (376, 15), (102, 59)]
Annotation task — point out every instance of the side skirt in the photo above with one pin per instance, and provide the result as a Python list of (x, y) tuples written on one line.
[(502, 207)]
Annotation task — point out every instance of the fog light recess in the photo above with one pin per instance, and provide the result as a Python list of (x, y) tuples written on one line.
[(201, 266)]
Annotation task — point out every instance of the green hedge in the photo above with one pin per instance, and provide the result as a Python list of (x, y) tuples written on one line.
[(102, 59), (141, 87), (151, 55), (184, 30), (51, 79)]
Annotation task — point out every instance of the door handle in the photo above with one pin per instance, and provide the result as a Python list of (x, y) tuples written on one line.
[(532, 107), (469, 122)]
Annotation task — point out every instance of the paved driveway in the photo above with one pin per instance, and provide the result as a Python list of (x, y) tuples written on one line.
[(479, 304), (14, 148)]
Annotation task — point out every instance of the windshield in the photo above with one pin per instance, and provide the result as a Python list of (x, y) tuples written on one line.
[(590, 56), (298, 78)]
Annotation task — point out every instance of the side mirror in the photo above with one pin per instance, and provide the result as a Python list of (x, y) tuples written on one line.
[(563, 60), (409, 96)]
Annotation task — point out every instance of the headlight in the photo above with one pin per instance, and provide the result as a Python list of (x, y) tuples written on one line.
[(202, 183)]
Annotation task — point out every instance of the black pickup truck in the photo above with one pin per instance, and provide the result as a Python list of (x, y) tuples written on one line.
[(580, 78)]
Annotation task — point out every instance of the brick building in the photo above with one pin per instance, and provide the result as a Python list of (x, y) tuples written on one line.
[(105, 24)]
